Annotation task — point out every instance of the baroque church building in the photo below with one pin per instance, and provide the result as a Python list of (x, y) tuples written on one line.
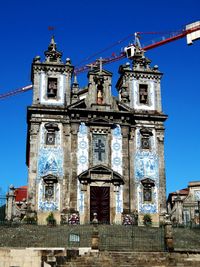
[(90, 152)]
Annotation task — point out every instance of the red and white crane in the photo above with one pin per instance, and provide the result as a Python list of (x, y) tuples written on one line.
[(191, 32)]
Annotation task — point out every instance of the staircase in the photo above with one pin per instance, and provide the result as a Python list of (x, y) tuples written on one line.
[(134, 259)]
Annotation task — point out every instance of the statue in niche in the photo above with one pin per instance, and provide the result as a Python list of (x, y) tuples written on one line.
[(99, 94), (99, 80)]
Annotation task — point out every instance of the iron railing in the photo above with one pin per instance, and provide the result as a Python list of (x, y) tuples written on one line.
[(186, 238), (111, 237), (132, 238)]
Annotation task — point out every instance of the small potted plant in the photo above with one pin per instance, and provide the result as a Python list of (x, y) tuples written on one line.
[(51, 221), (147, 220)]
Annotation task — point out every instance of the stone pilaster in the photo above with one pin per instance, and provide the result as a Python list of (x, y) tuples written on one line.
[(162, 177), (133, 194), (126, 168), (67, 166), (73, 189), (33, 160)]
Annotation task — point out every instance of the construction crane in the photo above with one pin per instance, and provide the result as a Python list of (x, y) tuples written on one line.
[(191, 31)]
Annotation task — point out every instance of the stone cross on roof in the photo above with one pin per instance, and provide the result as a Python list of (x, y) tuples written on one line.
[(100, 62)]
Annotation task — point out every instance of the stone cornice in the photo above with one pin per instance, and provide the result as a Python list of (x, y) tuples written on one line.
[(147, 75), (96, 117), (61, 67)]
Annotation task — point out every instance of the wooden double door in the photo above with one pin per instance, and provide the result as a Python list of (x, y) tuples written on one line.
[(100, 203)]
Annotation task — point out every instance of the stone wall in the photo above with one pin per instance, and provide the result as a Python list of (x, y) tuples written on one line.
[(20, 257), (45, 257), (131, 259), (31, 257)]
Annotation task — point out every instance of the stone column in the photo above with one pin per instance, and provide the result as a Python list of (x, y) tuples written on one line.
[(95, 234), (168, 232), (10, 202), (179, 209)]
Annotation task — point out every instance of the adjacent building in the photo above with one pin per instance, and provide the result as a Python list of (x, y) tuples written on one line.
[(16, 203), (184, 205)]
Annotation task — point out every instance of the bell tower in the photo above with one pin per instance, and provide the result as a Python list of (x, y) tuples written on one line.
[(51, 78), (139, 86), (139, 89), (46, 137)]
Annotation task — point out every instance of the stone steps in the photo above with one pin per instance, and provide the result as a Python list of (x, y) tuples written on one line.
[(134, 259)]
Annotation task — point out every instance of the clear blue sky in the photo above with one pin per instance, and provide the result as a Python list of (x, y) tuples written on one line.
[(82, 28)]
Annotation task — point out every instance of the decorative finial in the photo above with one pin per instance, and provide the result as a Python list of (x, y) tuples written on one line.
[(52, 45), (68, 61), (75, 79), (75, 89), (52, 55)]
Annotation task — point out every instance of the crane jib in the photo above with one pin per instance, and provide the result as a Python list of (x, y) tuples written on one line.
[(191, 31)]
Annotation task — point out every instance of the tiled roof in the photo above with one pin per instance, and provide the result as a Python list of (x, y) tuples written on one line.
[(184, 191)]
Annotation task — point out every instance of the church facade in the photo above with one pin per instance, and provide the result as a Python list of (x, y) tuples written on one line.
[(90, 152)]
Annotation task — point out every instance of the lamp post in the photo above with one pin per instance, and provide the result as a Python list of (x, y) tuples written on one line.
[(199, 211)]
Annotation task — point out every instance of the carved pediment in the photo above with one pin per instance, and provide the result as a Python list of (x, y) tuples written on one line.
[(146, 132), (147, 182), (51, 127), (49, 179), (100, 169), (100, 173)]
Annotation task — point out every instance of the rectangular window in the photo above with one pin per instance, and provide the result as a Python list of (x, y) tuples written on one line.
[(52, 88), (143, 94)]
